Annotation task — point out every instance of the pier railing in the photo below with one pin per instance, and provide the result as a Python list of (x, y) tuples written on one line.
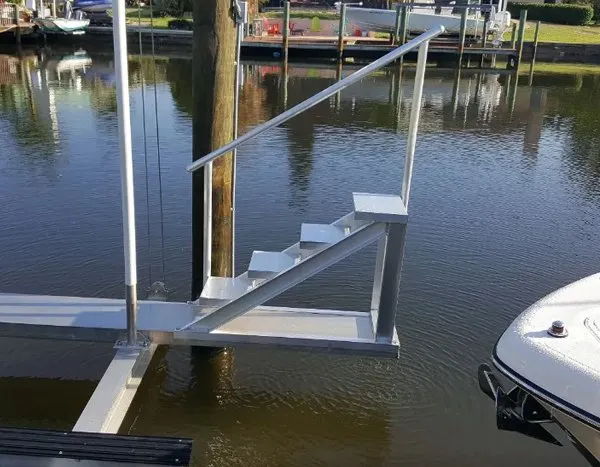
[(421, 43)]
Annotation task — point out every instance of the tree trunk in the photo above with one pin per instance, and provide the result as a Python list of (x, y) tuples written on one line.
[(213, 81)]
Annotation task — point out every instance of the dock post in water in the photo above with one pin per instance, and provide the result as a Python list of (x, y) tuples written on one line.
[(399, 9), (286, 29), (513, 36), (403, 26), (18, 24), (462, 35), (213, 72), (536, 38), (127, 191), (342, 31), (521, 36), (484, 40)]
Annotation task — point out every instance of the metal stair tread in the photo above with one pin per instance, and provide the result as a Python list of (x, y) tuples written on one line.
[(226, 288), (376, 207), (314, 235), (266, 264)]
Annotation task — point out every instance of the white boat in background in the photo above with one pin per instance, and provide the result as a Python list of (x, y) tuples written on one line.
[(422, 19), (550, 352), (62, 25)]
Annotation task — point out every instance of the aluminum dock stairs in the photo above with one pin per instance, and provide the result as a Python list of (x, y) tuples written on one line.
[(271, 273)]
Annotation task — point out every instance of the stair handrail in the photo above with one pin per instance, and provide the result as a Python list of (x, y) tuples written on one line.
[(319, 97)]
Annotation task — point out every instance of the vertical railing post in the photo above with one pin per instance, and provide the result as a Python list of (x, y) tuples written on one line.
[(127, 193), (207, 247), (387, 276), (342, 31)]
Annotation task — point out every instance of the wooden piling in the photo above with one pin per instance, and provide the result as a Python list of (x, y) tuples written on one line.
[(513, 36), (213, 86), (397, 25), (483, 40), (536, 38), (286, 30), (462, 35), (17, 19), (342, 31), (521, 36), (403, 26)]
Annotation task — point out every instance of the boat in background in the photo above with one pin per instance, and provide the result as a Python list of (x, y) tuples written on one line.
[(422, 19), (62, 25), (550, 352)]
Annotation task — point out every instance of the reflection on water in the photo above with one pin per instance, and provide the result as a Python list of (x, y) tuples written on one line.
[(498, 161)]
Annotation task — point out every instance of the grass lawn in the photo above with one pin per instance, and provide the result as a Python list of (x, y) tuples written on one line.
[(160, 22), (562, 33), (563, 68), (321, 14)]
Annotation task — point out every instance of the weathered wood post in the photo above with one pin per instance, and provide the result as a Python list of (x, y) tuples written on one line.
[(513, 36), (536, 38), (342, 31), (213, 82), (462, 35), (17, 18), (483, 40), (521, 37), (286, 30), (403, 26), (396, 36)]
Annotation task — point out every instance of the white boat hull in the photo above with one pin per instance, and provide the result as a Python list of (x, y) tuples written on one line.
[(420, 20), (62, 25), (561, 372)]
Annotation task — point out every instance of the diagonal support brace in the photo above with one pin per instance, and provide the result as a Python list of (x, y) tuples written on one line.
[(289, 278)]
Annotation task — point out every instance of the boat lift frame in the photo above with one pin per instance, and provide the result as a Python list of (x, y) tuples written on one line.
[(139, 327)]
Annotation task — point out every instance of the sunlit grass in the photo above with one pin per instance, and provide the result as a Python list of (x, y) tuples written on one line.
[(562, 33)]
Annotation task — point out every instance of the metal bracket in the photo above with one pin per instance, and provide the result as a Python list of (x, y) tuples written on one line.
[(143, 342)]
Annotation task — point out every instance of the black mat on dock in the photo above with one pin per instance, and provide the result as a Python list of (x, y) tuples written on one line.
[(105, 449)]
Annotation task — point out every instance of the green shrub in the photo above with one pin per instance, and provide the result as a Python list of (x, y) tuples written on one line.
[(175, 8), (553, 12)]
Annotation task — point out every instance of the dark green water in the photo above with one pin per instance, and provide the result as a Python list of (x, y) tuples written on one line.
[(505, 208)]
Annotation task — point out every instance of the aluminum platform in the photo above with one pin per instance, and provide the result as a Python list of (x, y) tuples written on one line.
[(104, 320)]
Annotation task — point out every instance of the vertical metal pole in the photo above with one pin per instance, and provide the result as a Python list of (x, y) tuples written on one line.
[(54, 8), (392, 256), (413, 126), (286, 29), (207, 247), (521, 37), (342, 31), (462, 35), (236, 110), (127, 201)]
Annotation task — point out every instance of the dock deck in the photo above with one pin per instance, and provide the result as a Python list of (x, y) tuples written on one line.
[(104, 320)]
